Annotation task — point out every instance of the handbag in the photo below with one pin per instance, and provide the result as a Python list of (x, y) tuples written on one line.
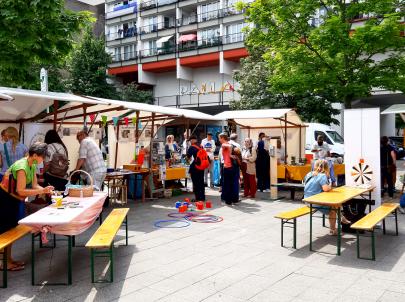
[(353, 210)]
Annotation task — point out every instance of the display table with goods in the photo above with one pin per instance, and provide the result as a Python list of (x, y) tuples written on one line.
[(69, 217), (298, 172)]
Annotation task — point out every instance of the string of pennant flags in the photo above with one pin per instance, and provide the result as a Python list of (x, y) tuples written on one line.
[(115, 120)]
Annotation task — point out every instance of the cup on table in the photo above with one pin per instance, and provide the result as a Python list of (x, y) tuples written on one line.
[(57, 200)]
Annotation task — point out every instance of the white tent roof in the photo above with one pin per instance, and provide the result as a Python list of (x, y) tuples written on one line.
[(397, 108), (261, 117), (29, 103)]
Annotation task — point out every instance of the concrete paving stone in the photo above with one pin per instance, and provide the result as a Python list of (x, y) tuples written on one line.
[(271, 296), (198, 291), (390, 296), (248, 287), (220, 297), (145, 294), (318, 293)]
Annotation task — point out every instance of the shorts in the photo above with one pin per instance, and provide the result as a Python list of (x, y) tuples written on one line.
[(323, 209)]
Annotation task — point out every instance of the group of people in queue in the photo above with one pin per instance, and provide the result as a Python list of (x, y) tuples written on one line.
[(19, 173), (252, 161)]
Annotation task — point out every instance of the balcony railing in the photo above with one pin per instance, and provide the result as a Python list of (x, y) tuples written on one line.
[(122, 34), (171, 47), (207, 16), (126, 56), (155, 3), (151, 28)]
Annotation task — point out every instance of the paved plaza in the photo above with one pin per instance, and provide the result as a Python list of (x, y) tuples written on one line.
[(239, 259)]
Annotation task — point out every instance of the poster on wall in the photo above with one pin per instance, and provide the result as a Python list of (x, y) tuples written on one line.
[(35, 132), (362, 149), (126, 135)]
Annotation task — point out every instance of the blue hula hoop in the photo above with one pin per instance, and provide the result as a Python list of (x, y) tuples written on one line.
[(158, 224)]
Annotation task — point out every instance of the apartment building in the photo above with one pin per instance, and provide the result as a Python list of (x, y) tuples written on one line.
[(184, 50)]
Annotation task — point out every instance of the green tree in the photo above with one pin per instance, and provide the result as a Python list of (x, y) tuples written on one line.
[(255, 92), (312, 46), (132, 93), (87, 67), (35, 34)]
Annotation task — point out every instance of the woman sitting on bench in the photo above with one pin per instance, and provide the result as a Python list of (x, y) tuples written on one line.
[(19, 182), (318, 181)]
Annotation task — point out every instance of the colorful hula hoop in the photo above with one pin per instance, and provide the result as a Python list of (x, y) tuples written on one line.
[(204, 218), (180, 215), (160, 224)]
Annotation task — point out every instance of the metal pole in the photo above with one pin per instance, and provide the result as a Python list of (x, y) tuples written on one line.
[(55, 113), (116, 146), (285, 138), (152, 134)]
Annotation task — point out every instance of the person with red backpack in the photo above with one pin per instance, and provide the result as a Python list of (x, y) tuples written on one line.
[(197, 167)]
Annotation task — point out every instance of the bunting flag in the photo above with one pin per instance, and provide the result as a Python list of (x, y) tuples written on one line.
[(139, 125), (134, 121), (126, 121), (92, 117), (104, 120), (115, 120)]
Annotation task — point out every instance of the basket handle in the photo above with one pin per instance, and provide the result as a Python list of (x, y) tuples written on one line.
[(82, 171)]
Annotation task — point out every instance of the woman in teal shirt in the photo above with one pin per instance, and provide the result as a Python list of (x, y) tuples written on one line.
[(318, 181), (18, 183)]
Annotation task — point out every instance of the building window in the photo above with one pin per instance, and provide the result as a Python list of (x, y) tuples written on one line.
[(208, 11), (150, 24), (117, 54), (208, 37), (234, 33), (150, 48), (129, 52)]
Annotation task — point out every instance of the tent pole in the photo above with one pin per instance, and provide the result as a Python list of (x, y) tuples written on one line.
[(285, 138), (84, 116), (152, 134), (301, 143), (55, 114), (136, 128), (116, 145)]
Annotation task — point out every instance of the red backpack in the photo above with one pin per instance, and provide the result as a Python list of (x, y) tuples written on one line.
[(202, 161)]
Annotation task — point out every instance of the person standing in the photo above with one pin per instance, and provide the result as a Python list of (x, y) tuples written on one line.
[(56, 162), (197, 174), (249, 169), (208, 144), (18, 183), (170, 147), (91, 159), (12, 150), (4, 137), (262, 165), (184, 145), (388, 164), (320, 148), (230, 183), (280, 153)]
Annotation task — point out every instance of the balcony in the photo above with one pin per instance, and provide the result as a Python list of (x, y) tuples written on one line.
[(122, 34), (155, 3), (157, 27), (122, 10), (122, 57), (233, 38), (198, 44)]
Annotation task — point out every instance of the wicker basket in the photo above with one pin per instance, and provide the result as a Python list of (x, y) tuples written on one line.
[(87, 190)]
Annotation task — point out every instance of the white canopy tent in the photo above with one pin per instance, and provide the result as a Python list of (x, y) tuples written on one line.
[(284, 123)]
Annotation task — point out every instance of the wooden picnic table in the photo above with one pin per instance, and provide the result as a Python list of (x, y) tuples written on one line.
[(335, 199), (70, 220)]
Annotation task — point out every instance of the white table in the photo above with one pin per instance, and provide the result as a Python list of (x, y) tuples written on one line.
[(69, 221)]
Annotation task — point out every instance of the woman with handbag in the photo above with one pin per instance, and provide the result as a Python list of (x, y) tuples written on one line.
[(20, 182), (249, 169), (56, 162)]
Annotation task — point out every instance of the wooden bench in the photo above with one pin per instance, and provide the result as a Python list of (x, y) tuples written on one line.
[(8, 238), (291, 215), (368, 223), (293, 187), (102, 242)]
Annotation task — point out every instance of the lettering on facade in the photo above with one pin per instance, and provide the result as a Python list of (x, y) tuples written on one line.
[(206, 88)]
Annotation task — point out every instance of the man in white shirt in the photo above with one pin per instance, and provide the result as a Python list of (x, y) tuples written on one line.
[(184, 145), (209, 145), (91, 159), (320, 148)]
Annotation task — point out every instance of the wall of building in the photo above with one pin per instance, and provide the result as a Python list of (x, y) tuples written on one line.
[(97, 10)]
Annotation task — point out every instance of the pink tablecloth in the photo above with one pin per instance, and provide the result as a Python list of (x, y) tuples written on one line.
[(67, 221)]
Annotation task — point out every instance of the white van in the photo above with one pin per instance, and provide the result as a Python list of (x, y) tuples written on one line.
[(334, 139)]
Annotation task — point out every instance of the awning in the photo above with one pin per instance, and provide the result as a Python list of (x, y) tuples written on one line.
[(164, 39), (261, 118), (189, 37), (397, 108), (26, 104)]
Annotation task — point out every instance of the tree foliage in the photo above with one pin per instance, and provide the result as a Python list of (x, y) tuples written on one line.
[(35, 34), (256, 93), (87, 68), (314, 47), (132, 93)]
